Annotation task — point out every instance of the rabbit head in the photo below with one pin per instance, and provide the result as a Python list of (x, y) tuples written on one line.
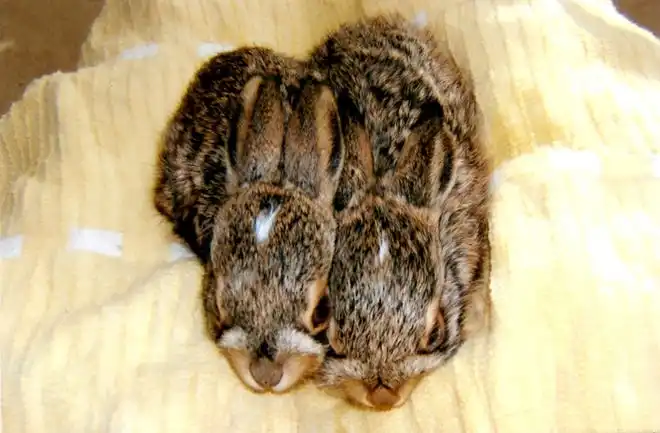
[(265, 285), (396, 296)]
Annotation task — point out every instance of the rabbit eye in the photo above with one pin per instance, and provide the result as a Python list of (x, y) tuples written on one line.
[(219, 326), (332, 353), (317, 314), (435, 332), (335, 349), (321, 314), (435, 339)]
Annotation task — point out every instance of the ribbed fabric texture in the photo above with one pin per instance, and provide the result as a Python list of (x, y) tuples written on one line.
[(100, 324)]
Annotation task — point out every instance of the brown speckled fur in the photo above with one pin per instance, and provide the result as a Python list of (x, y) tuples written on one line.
[(191, 175), (415, 175), (251, 139)]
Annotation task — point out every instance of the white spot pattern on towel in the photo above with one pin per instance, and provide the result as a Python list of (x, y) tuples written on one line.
[(139, 51), (11, 246), (106, 242), (576, 159), (179, 252), (208, 49), (559, 159), (421, 19)]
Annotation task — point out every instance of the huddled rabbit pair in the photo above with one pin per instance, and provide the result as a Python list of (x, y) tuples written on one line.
[(339, 206)]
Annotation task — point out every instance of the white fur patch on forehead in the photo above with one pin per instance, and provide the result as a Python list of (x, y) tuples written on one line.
[(383, 250), (264, 222), (234, 338), (296, 342)]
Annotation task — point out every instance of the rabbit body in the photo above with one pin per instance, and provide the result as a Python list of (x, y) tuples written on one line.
[(412, 255), (247, 169)]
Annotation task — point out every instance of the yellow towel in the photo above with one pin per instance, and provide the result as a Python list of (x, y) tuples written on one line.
[(100, 326)]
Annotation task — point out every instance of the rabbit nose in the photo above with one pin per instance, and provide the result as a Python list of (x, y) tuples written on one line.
[(383, 397), (266, 372)]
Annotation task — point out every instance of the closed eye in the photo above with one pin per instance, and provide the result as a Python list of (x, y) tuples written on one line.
[(332, 354), (321, 314)]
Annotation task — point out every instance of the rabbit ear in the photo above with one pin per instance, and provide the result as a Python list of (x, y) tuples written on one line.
[(425, 168), (255, 147), (314, 149), (358, 172)]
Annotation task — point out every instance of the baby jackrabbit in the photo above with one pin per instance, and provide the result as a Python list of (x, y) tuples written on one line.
[(253, 198), (412, 250)]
